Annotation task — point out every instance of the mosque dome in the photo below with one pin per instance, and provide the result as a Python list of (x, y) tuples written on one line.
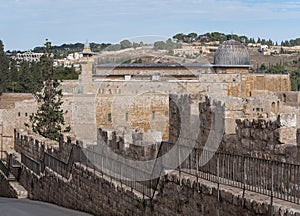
[(231, 53)]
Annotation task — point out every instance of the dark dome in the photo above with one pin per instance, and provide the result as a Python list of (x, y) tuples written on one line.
[(231, 52)]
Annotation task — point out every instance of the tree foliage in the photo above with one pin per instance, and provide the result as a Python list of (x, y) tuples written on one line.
[(49, 121), (63, 50), (167, 45), (217, 36), (4, 69)]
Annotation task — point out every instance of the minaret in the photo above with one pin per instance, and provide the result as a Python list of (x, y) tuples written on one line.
[(86, 63)]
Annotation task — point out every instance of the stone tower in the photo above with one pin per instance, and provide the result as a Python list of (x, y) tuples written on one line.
[(84, 123), (86, 62)]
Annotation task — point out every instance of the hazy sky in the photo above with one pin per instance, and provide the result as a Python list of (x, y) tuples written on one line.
[(25, 24)]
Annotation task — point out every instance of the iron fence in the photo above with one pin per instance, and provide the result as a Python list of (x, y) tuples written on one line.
[(59, 166), (31, 164), (272, 178), (115, 168)]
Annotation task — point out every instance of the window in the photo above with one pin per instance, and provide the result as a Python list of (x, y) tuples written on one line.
[(26, 114), (153, 115), (126, 116), (284, 97), (109, 117), (273, 107), (19, 114)]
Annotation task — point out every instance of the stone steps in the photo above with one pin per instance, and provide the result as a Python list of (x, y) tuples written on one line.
[(21, 191)]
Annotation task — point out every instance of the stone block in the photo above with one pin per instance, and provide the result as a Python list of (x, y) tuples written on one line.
[(287, 120), (298, 137)]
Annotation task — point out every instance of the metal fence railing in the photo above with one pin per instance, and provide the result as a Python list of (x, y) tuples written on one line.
[(272, 178), (59, 166), (116, 168), (31, 164)]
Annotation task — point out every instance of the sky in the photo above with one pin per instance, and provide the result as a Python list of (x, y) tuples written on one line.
[(25, 24)]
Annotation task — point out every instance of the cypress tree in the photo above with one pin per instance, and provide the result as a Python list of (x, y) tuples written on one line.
[(4, 69), (49, 121)]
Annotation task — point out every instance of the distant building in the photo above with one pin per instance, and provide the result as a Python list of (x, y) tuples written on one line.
[(28, 56)]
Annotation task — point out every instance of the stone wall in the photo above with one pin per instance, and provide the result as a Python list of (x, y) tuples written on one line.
[(184, 118), (6, 190), (7, 100), (91, 191), (138, 149), (274, 140), (263, 130), (186, 196), (146, 112), (23, 106), (34, 146)]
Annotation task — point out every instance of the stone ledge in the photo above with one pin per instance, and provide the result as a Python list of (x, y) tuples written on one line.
[(257, 203)]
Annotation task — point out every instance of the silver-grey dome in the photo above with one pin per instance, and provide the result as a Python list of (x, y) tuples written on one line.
[(232, 52)]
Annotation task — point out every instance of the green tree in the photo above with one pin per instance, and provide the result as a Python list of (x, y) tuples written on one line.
[(178, 37), (25, 78), (49, 121), (64, 73), (14, 77), (125, 44), (192, 36), (159, 45), (4, 69)]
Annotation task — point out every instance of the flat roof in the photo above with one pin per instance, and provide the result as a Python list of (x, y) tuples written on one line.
[(168, 65), (157, 65)]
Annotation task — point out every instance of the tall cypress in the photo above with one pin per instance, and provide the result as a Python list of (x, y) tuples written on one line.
[(4, 69), (49, 121)]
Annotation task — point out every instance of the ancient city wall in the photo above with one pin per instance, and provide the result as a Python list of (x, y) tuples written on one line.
[(270, 139), (89, 190), (137, 149), (253, 127)]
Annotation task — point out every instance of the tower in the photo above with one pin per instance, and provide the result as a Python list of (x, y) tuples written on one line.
[(86, 63)]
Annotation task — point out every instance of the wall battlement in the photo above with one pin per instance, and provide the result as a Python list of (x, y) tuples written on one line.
[(91, 191)]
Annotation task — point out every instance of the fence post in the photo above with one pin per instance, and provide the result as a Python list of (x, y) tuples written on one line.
[(272, 189), (80, 156), (179, 164), (197, 168), (218, 181), (9, 160), (218, 175), (245, 178)]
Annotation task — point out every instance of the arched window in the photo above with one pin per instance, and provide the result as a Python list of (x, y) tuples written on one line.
[(273, 107), (284, 98)]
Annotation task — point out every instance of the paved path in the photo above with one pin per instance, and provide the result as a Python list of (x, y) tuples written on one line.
[(25, 207)]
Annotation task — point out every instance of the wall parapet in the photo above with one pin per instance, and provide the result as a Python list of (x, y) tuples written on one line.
[(91, 191), (276, 140)]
